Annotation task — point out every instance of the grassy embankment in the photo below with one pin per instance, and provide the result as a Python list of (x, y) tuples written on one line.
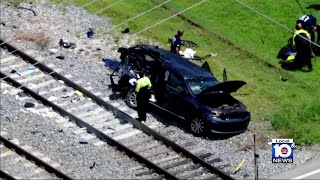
[(247, 45)]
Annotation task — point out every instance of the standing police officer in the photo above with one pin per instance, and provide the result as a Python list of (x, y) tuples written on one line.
[(176, 42), (143, 90), (301, 41)]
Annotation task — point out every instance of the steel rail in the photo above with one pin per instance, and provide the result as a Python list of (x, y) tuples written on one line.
[(5, 175), (33, 158)]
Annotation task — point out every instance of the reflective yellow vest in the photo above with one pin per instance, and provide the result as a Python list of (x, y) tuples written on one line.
[(143, 82), (299, 32)]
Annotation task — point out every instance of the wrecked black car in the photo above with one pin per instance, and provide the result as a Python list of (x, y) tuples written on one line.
[(183, 89)]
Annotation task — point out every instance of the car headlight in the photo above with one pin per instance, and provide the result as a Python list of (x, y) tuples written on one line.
[(214, 115)]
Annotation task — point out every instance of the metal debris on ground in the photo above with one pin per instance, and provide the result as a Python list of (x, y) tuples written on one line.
[(77, 92), (93, 165), (239, 166), (67, 45), (60, 57), (15, 71), (29, 105)]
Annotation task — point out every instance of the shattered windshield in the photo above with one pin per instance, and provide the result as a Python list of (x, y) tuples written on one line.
[(197, 85)]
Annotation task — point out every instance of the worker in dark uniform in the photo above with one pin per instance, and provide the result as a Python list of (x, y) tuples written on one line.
[(143, 90), (309, 23), (176, 42), (302, 43)]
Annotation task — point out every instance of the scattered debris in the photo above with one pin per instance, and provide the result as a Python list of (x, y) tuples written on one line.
[(29, 105), (53, 51), (32, 69), (77, 92), (22, 94), (90, 33), (34, 132), (60, 57), (93, 165), (65, 96), (75, 100), (239, 166), (14, 71), (67, 45), (83, 142), (126, 30), (111, 128)]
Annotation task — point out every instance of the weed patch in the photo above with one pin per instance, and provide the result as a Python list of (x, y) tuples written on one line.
[(41, 38)]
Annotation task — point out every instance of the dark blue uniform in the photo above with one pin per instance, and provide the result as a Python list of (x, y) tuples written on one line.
[(175, 43), (303, 48), (308, 22)]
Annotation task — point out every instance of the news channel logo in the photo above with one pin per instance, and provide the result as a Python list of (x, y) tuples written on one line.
[(282, 150)]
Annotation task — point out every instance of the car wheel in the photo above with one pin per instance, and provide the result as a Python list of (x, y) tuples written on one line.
[(131, 98), (197, 126)]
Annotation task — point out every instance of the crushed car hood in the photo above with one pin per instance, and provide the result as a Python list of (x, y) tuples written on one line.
[(226, 87)]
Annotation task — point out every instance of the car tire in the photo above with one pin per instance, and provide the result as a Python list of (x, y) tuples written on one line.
[(198, 126), (131, 98)]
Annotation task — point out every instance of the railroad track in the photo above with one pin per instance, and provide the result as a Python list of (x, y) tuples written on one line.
[(99, 120), (27, 163)]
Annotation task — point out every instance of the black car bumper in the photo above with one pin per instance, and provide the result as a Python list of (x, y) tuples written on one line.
[(233, 126)]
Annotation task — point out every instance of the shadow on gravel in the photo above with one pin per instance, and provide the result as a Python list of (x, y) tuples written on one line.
[(115, 95), (170, 120)]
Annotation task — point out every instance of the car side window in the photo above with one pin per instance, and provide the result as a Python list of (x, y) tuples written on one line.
[(174, 82)]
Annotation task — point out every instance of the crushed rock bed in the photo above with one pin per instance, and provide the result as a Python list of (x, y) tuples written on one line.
[(85, 63), (46, 136)]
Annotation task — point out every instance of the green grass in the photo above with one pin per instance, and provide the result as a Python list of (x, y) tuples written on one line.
[(247, 45)]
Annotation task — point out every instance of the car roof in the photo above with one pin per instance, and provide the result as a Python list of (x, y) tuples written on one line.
[(178, 64)]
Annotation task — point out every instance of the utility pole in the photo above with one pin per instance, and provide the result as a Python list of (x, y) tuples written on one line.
[(255, 158)]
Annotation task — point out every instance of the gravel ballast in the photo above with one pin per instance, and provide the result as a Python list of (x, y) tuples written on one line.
[(85, 63), (43, 134)]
